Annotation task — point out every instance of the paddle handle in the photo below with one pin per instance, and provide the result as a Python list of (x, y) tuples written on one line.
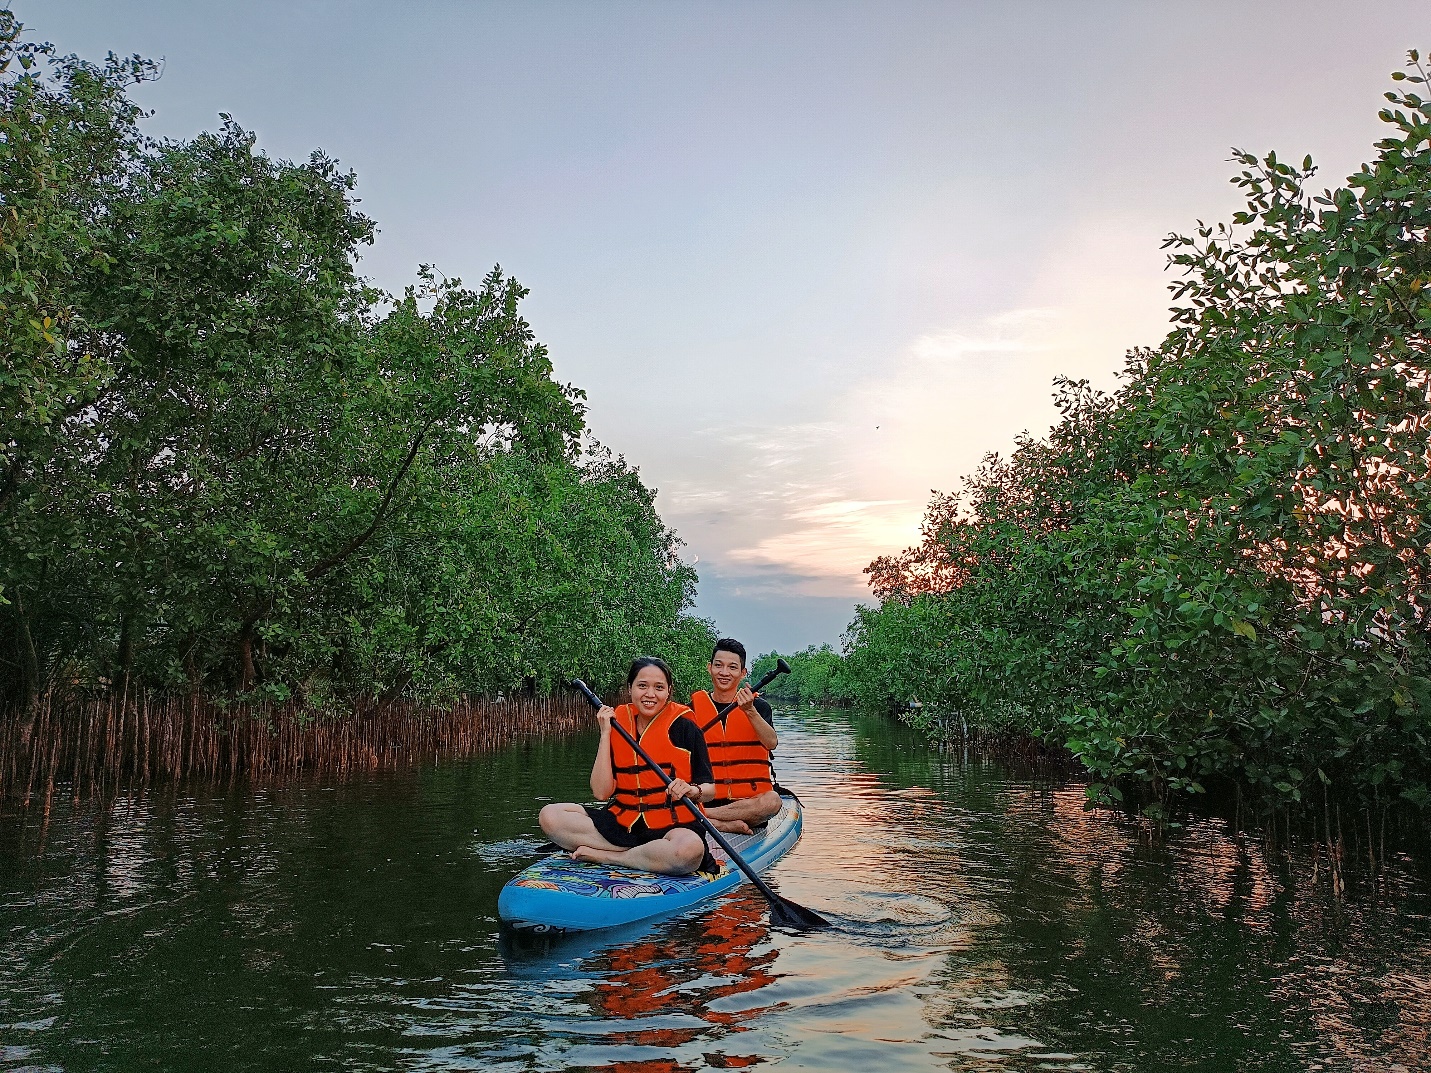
[(781, 668), (695, 811)]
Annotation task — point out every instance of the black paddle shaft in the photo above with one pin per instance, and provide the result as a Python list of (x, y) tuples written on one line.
[(782, 910)]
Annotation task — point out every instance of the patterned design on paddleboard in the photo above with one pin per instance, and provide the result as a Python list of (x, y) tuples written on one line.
[(591, 880)]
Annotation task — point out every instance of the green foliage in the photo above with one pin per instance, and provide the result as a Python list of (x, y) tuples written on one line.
[(509, 570), (816, 677), (63, 143), (229, 462), (1222, 570)]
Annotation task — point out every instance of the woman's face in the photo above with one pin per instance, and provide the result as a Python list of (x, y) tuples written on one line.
[(650, 691)]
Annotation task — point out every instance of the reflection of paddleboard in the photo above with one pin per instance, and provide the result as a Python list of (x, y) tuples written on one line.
[(560, 894)]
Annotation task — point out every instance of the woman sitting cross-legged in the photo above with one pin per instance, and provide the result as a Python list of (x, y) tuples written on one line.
[(644, 824)]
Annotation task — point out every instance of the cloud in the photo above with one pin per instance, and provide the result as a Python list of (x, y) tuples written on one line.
[(1014, 331), (825, 548), (797, 510), (826, 508)]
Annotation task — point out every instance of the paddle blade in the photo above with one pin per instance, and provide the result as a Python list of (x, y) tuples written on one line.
[(786, 914)]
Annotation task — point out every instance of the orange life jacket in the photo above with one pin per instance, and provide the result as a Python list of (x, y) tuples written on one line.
[(741, 764), (640, 793)]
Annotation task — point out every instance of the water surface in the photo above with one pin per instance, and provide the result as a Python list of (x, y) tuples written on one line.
[(987, 923)]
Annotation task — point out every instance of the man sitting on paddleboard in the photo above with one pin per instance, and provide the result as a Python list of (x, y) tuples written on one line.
[(643, 824), (740, 742)]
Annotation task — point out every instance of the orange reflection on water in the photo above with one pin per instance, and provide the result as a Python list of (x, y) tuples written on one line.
[(666, 975), (726, 951), (667, 1065)]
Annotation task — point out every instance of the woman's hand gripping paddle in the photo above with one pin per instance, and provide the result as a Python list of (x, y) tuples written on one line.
[(783, 912)]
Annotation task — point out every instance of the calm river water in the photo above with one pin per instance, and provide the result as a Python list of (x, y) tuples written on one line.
[(988, 923)]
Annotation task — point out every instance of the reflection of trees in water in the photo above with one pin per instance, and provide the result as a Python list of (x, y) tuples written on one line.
[(684, 971), (1201, 941), (1361, 967), (1097, 936)]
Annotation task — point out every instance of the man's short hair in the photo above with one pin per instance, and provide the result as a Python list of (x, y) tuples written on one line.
[(731, 645)]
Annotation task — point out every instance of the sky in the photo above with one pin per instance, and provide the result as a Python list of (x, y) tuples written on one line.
[(851, 244)]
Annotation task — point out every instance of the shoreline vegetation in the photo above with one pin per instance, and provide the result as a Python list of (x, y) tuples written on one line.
[(1220, 573), (103, 745)]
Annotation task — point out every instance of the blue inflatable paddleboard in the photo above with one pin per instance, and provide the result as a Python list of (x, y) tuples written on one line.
[(560, 894)]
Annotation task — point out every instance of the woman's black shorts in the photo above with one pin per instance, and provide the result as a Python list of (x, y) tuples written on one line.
[(609, 828)]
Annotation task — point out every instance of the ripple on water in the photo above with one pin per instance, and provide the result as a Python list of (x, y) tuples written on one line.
[(510, 851), (880, 915)]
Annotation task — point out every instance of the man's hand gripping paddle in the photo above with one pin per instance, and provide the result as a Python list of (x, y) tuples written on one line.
[(781, 667), (783, 912)]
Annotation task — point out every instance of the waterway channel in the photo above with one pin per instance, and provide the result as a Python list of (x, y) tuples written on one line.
[(986, 923)]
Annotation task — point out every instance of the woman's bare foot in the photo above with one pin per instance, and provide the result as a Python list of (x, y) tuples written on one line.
[(730, 827), (596, 856)]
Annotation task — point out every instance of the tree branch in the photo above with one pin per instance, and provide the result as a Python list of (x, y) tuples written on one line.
[(12, 480), (322, 567)]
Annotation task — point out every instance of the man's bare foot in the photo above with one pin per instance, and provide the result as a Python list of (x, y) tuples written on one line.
[(595, 856), (730, 827)]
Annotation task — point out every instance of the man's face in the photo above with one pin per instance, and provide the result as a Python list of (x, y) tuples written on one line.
[(726, 671)]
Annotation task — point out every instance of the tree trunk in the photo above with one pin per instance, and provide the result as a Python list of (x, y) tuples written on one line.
[(248, 674), (28, 686), (394, 691), (125, 658), (191, 665)]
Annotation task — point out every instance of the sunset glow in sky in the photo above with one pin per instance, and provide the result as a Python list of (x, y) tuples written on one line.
[(849, 245)]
